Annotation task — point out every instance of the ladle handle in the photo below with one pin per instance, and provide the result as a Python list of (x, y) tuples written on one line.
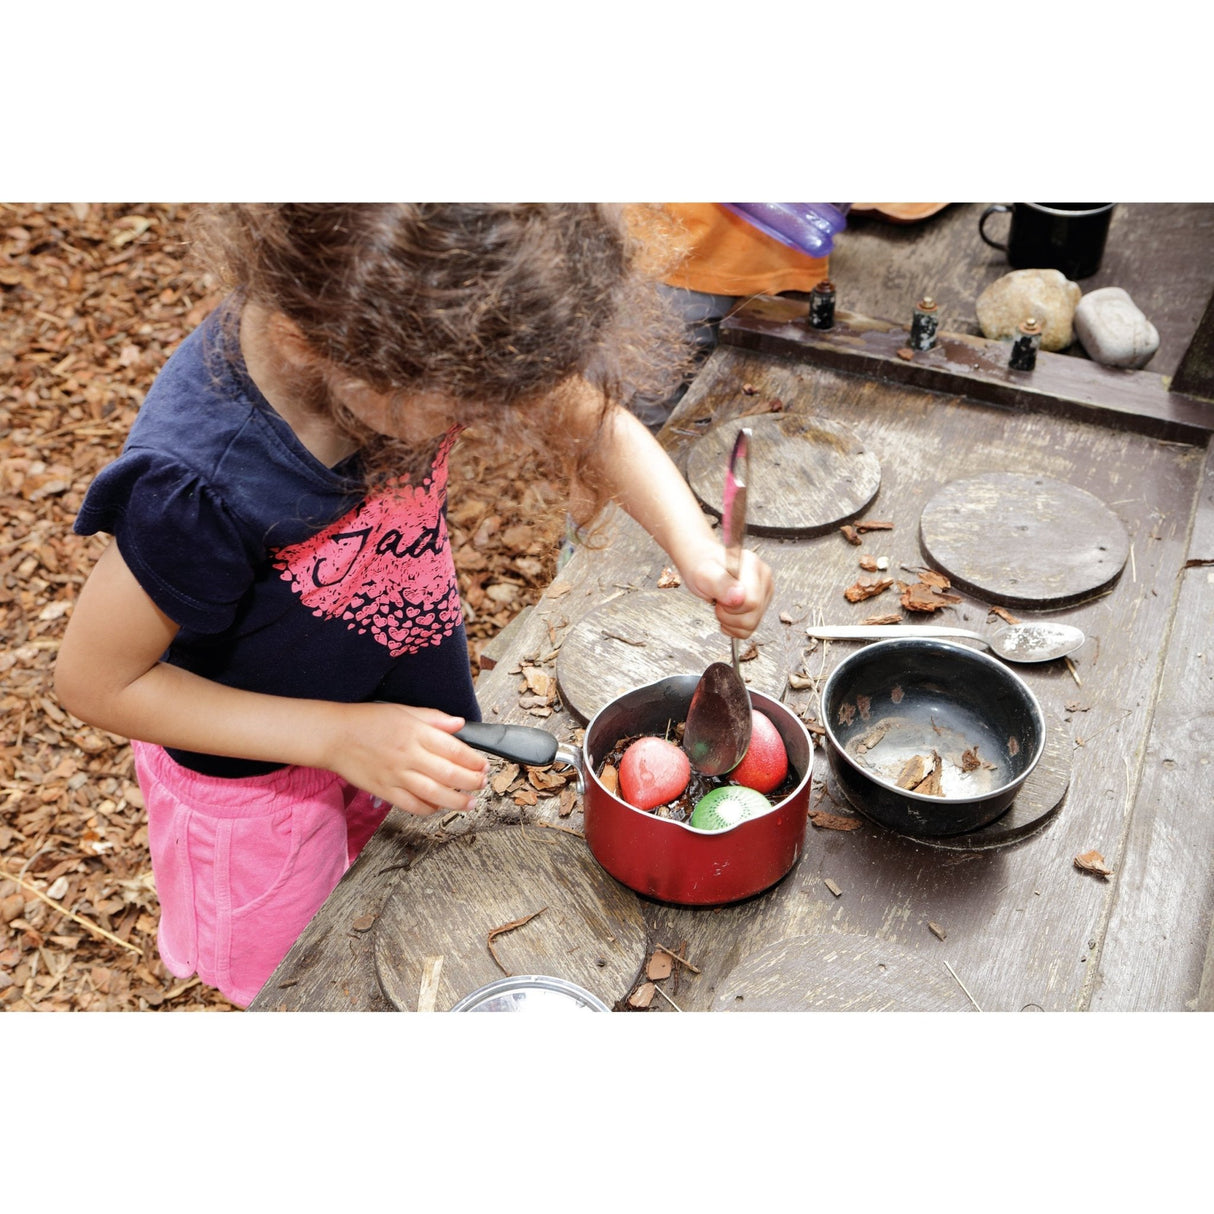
[(733, 507), (875, 632), (733, 515)]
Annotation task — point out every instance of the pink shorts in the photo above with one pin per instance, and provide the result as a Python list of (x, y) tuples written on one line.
[(241, 866)]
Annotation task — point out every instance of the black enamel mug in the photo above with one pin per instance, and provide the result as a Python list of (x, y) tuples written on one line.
[(1066, 236)]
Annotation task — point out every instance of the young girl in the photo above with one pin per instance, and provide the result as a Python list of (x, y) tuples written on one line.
[(276, 621)]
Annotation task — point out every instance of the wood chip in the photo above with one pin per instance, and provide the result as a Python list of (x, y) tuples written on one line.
[(642, 997), (660, 965), (830, 885), (922, 597), (1093, 862), (427, 995), (937, 930), (824, 821), (867, 588), (892, 617), (363, 923), (504, 778), (913, 772)]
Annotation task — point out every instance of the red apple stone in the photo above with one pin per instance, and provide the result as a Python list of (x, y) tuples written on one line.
[(653, 772), (765, 763)]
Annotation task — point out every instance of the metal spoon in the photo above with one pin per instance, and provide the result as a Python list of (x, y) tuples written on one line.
[(718, 726), (1014, 643)]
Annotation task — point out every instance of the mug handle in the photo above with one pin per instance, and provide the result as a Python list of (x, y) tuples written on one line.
[(992, 210)]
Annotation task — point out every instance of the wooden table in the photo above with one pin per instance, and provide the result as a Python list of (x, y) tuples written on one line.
[(867, 919)]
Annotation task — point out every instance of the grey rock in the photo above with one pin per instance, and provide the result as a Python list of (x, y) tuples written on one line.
[(1113, 330), (1048, 296)]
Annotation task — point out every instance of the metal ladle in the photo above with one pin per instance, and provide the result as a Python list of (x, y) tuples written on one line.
[(718, 726), (1031, 642)]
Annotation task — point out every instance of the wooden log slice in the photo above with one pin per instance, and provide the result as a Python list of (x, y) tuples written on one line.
[(840, 972), (587, 928), (807, 474), (641, 637), (1023, 540)]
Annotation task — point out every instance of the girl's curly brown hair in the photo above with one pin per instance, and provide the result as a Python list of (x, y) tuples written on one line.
[(496, 306)]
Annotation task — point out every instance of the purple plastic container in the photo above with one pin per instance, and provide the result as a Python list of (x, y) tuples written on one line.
[(808, 227)]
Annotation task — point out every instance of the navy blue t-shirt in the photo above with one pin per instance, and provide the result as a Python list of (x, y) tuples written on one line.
[(284, 575)]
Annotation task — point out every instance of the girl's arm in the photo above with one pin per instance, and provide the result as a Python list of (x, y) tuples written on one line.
[(645, 482), (109, 673)]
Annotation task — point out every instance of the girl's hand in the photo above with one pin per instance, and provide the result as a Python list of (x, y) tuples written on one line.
[(740, 602), (651, 489), (408, 757)]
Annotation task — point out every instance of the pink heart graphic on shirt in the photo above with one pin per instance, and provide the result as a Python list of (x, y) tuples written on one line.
[(385, 567)]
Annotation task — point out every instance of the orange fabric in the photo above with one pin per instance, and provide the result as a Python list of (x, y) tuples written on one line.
[(729, 256), (901, 212)]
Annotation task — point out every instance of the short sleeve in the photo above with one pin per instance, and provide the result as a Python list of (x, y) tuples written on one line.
[(187, 550)]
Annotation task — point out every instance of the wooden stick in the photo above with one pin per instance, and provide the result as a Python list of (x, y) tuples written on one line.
[(554, 826), (427, 996), (63, 910), (509, 927), (680, 960), (962, 985), (667, 997)]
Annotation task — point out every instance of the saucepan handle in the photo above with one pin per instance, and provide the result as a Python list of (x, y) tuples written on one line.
[(520, 744)]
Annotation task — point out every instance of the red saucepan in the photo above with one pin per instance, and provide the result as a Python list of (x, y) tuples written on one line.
[(658, 857)]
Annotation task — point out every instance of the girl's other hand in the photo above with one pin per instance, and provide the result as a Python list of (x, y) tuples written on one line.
[(739, 602), (408, 757)]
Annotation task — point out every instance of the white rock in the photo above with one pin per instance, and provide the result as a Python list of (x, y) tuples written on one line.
[(1047, 296), (1112, 329)]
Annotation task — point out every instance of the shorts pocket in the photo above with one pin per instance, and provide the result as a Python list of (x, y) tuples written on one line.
[(280, 868), (168, 842), (260, 856)]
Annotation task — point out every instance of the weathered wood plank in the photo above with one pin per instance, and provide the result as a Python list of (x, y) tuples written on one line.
[(1155, 948), (1019, 920), (1021, 925), (975, 367)]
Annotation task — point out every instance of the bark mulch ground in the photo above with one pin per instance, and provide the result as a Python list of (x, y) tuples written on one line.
[(93, 299)]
